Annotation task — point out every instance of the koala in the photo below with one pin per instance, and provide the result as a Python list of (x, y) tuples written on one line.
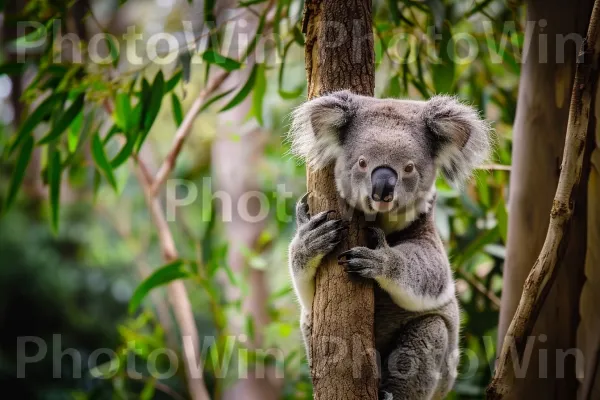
[(387, 153)]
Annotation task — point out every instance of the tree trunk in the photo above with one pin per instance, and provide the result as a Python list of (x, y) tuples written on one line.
[(539, 136), (236, 156), (339, 55)]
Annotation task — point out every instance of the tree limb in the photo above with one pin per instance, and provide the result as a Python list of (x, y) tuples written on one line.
[(542, 275), (177, 294), (184, 131)]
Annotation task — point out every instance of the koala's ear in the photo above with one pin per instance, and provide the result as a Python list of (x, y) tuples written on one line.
[(317, 128), (460, 139)]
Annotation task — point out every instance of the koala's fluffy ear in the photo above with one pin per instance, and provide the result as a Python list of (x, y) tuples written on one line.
[(318, 125), (460, 139)]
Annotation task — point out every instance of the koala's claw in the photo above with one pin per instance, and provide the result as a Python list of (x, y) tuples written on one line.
[(319, 235), (302, 210), (362, 261)]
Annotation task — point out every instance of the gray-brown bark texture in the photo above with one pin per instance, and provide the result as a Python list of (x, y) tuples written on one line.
[(539, 137), (339, 55)]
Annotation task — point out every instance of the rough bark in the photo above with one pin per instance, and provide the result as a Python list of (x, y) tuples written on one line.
[(539, 136), (339, 55)]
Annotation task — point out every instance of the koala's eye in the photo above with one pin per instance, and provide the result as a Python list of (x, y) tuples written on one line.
[(410, 167), (362, 162)]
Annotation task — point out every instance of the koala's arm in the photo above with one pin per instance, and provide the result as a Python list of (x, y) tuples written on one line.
[(415, 273), (315, 237)]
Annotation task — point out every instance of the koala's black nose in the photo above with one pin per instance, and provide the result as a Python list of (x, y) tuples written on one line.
[(383, 180)]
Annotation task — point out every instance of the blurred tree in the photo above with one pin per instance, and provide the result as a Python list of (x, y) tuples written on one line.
[(539, 137)]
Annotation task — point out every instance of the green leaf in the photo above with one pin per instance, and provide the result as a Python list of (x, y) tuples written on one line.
[(113, 49), (162, 276), (479, 7), (258, 95), (228, 64), (214, 99), (209, 14), (244, 91), (124, 153), (148, 391), (177, 109), (150, 112), (13, 69), (247, 3), (155, 100), (482, 189), (298, 36), (283, 93), (73, 133), (54, 176), (123, 115), (63, 122), (19, 172), (443, 72), (502, 216), (394, 11), (35, 36), (42, 112), (101, 160), (171, 83), (420, 87)]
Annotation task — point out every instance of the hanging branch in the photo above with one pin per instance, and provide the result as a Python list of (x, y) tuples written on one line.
[(543, 273)]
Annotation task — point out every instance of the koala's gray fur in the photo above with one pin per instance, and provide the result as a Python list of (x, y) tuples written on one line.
[(416, 315)]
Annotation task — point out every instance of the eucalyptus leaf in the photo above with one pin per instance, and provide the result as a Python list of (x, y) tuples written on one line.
[(228, 64), (19, 172), (54, 178), (258, 96), (101, 160), (64, 120), (177, 109), (162, 276), (244, 91), (42, 112)]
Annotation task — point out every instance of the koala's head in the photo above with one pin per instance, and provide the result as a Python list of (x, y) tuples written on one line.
[(386, 151)]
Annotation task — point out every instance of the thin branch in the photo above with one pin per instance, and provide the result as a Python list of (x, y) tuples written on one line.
[(480, 287), (188, 122), (543, 273), (496, 167), (184, 131), (177, 294)]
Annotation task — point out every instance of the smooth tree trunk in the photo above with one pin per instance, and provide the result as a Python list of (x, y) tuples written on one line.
[(339, 55), (548, 368)]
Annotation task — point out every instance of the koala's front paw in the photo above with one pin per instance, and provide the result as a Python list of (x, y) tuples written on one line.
[(363, 261), (316, 235), (366, 262)]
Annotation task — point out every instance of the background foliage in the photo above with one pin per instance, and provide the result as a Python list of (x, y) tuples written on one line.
[(75, 235)]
